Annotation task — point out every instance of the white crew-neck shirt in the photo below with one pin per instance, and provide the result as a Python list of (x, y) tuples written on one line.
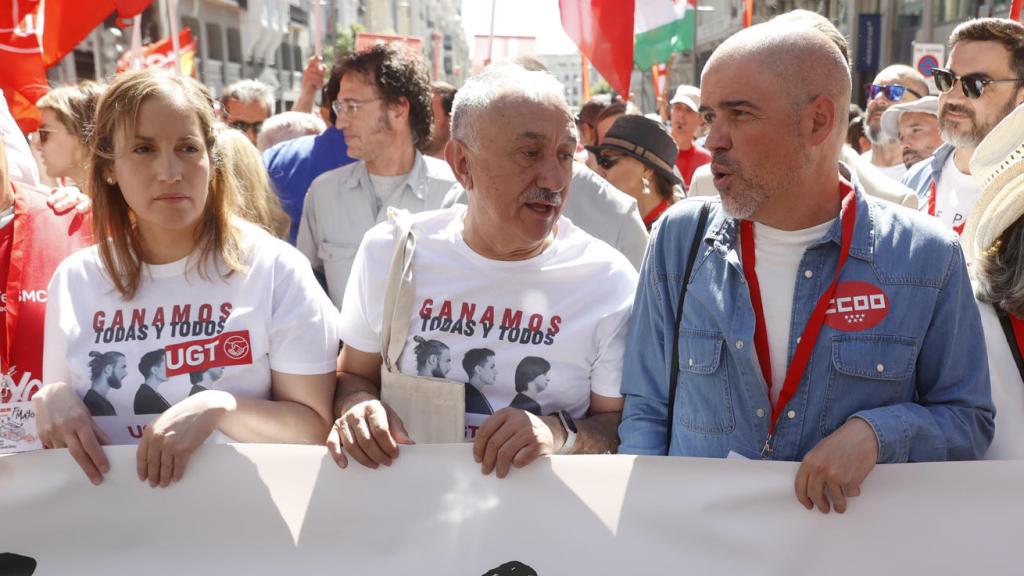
[(777, 261), (957, 194)]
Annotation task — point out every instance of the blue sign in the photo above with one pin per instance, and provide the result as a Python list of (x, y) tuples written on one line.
[(869, 42)]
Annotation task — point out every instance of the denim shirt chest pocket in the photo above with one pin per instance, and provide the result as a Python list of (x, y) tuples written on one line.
[(704, 392), (867, 371)]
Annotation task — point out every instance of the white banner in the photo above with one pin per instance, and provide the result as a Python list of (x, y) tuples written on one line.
[(254, 510)]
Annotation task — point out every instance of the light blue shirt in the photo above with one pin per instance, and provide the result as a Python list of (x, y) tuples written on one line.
[(918, 378)]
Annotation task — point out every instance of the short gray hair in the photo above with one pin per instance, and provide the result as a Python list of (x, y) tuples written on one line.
[(286, 126), (249, 91), (504, 80)]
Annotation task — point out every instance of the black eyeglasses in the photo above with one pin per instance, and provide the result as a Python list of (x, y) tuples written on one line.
[(893, 92), (606, 162), (245, 126), (973, 85)]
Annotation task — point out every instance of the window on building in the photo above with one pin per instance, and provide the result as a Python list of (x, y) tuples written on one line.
[(234, 46), (297, 61), (953, 10), (214, 41), (909, 15)]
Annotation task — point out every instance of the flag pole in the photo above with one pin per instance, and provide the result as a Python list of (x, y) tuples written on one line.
[(172, 10), (1015, 10), (136, 54), (490, 41), (318, 20), (585, 78)]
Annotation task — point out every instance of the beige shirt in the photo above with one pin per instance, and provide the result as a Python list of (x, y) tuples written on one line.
[(342, 206)]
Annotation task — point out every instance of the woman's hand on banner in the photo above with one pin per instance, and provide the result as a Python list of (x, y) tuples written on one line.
[(168, 443), (63, 421), (67, 197), (370, 431)]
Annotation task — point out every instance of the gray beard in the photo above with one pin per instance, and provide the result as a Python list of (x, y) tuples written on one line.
[(877, 136)]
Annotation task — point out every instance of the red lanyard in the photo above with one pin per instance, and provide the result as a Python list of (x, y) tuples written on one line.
[(805, 345), (1018, 331), (931, 209)]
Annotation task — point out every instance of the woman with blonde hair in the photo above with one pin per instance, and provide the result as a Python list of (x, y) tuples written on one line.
[(244, 166), (176, 270), (65, 131)]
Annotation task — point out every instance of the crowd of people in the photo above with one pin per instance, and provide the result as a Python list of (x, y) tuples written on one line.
[(766, 272)]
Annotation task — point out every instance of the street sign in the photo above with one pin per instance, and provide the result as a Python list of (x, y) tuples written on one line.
[(869, 42), (926, 57)]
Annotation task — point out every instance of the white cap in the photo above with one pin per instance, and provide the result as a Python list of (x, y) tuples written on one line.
[(688, 96), (891, 116), (998, 167)]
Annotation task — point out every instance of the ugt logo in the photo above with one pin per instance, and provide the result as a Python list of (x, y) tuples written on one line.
[(228, 349)]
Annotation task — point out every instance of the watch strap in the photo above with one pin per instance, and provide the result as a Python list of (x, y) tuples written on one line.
[(570, 432)]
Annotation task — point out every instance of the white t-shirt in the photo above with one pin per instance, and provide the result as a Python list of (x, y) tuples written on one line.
[(1007, 390), (233, 330), (896, 171), (556, 322), (957, 193), (777, 255)]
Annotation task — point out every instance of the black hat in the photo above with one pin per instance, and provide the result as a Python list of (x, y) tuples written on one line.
[(645, 140)]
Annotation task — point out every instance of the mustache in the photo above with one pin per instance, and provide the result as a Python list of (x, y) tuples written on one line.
[(725, 162), (542, 195), (957, 109)]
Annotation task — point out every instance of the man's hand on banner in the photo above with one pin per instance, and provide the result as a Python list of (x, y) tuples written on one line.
[(370, 431), (514, 437), (67, 197), (168, 443), (63, 421), (835, 468)]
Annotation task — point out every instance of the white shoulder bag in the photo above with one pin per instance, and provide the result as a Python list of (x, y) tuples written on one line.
[(433, 409)]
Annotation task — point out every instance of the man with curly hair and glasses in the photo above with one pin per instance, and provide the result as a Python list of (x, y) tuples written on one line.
[(983, 82), (384, 108)]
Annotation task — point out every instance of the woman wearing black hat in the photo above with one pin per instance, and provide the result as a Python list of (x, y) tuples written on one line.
[(636, 156)]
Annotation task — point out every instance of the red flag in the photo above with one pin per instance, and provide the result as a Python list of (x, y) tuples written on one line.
[(35, 35), (1015, 10), (748, 13), (603, 30), (161, 55)]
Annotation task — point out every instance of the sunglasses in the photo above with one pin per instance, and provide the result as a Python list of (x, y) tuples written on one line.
[(606, 162), (973, 85), (245, 126), (893, 92)]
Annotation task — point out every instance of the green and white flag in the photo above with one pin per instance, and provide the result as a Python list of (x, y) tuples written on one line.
[(662, 27)]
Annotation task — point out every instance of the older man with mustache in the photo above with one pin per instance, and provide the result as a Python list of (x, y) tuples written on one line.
[(506, 273), (982, 83)]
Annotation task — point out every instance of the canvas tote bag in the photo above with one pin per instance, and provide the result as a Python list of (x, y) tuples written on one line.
[(433, 409)]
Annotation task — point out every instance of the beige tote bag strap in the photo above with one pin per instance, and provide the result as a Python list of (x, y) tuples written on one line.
[(399, 294)]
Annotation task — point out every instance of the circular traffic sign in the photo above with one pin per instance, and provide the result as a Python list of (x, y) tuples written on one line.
[(926, 63)]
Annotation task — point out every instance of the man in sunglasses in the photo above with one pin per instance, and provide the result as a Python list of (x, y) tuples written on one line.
[(384, 109), (245, 105), (896, 84), (983, 82)]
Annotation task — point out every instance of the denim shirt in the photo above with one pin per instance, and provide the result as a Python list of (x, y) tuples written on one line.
[(918, 377), (920, 176)]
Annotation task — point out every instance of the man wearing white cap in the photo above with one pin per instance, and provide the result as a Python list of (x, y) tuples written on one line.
[(982, 83), (994, 237), (916, 125), (898, 83), (685, 126)]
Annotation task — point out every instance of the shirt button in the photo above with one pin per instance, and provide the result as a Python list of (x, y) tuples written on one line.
[(760, 412), (791, 414), (691, 361), (880, 368), (739, 344), (808, 274)]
